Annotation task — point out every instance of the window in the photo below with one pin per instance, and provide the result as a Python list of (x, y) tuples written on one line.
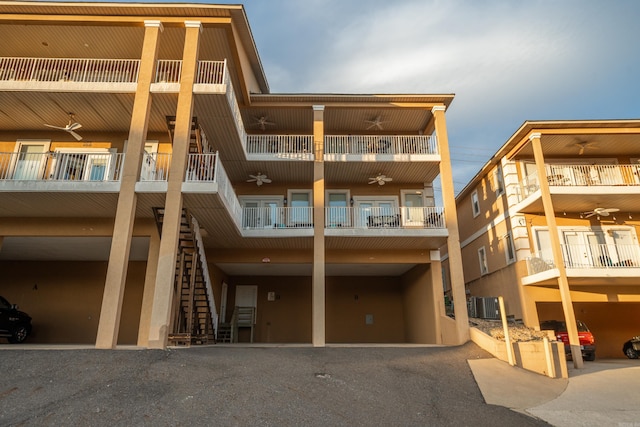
[(499, 181), (475, 204), (509, 250), (482, 257)]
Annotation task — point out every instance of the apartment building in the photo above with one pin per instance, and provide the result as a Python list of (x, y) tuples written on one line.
[(154, 192), (551, 224)]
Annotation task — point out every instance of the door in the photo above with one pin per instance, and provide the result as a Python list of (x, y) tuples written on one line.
[(338, 209), (413, 212), (585, 249), (262, 213), (377, 213), (73, 164), (300, 209), (30, 162), (149, 162)]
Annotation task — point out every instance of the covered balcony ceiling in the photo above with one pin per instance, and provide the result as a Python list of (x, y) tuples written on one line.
[(587, 145), (574, 204)]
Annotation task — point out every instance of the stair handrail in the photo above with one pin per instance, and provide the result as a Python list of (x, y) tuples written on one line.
[(205, 274)]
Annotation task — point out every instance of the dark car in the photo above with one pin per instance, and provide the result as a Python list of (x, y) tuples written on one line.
[(631, 348), (587, 341), (15, 325)]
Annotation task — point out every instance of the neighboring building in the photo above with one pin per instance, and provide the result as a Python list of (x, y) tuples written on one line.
[(551, 224), (181, 188)]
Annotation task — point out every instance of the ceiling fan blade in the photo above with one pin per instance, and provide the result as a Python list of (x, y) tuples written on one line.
[(74, 126), (603, 213), (589, 214), (55, 127), (387, 179), (611, 210), (266, 180), (381, 182), (252, 180), (75, 135)]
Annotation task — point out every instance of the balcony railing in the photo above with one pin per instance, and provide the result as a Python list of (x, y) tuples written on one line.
[(384, 217), (60, 166), (208, 72), (279, 144), (277, 217), (590, 256), (70, 69), (155, 167), (376, 144), (567, 175)]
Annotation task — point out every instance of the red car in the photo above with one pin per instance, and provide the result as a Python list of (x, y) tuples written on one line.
[(587, 341)]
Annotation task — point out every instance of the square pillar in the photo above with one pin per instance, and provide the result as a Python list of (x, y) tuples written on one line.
[(318, 280)]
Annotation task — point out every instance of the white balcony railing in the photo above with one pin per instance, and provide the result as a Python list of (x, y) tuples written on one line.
[(208, 72), (376, 144), (590, 256), (155, 166), (277, 217), (592, 175), (70, 69), (201, 167), (525, 187), (279, 144), (59, 166), (384, 217)]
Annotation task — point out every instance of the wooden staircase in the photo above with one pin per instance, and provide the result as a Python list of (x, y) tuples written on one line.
[(198, 142), (195, 319)]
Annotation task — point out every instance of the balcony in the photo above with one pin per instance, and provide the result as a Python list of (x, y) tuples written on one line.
[(587, 264), (69, 74), (279, 147), (391, 147), (60, 171), (384, 218), (567, 175)]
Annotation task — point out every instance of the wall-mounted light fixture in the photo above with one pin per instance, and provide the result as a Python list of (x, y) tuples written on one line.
[(351, 201), (285, 200)]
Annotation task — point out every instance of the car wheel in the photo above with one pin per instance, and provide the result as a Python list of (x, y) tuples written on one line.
[(590, 357), (20, 334), (630, 352)]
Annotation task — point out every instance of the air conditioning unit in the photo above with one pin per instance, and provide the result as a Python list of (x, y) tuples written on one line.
[(484, 307)]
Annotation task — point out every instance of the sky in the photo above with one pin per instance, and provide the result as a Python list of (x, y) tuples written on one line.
[(506, 61)]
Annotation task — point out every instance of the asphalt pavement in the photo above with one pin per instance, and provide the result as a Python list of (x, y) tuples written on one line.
[(249, 386)]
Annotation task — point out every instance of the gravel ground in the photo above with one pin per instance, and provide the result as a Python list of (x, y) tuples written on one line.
[(240, 386), (517, 332)]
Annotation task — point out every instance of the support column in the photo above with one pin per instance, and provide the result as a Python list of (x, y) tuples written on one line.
[(451, 217), (165, 276), (563, 283), (149, 290), (318, 281), (109, 324), (437, 290)]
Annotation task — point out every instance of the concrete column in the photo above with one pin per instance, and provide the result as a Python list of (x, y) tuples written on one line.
[(563, 283), (109, 323), (165, 276), (149, 290), (451, 217), (437, 290), (318, 280)]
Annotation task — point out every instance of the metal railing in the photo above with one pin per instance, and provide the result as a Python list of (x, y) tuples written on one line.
[(278, 217), (201, 167), (155, 166), (599, 255), (279, 144), (168, 71), (592, 175), (210, 72), (233, 104), (70, 69), (384, 217), (377, 144), (568, 175), (60, 166)]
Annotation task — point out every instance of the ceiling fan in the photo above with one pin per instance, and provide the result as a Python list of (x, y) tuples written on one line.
[(380, 179), (599, 212), (259, 179), (375, 123), (262, 122), (583, 145), (70, 127)]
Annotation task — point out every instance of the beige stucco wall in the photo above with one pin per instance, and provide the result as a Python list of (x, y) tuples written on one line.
[(350, 299), (504, 283), (419, 306), (64, 299)]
